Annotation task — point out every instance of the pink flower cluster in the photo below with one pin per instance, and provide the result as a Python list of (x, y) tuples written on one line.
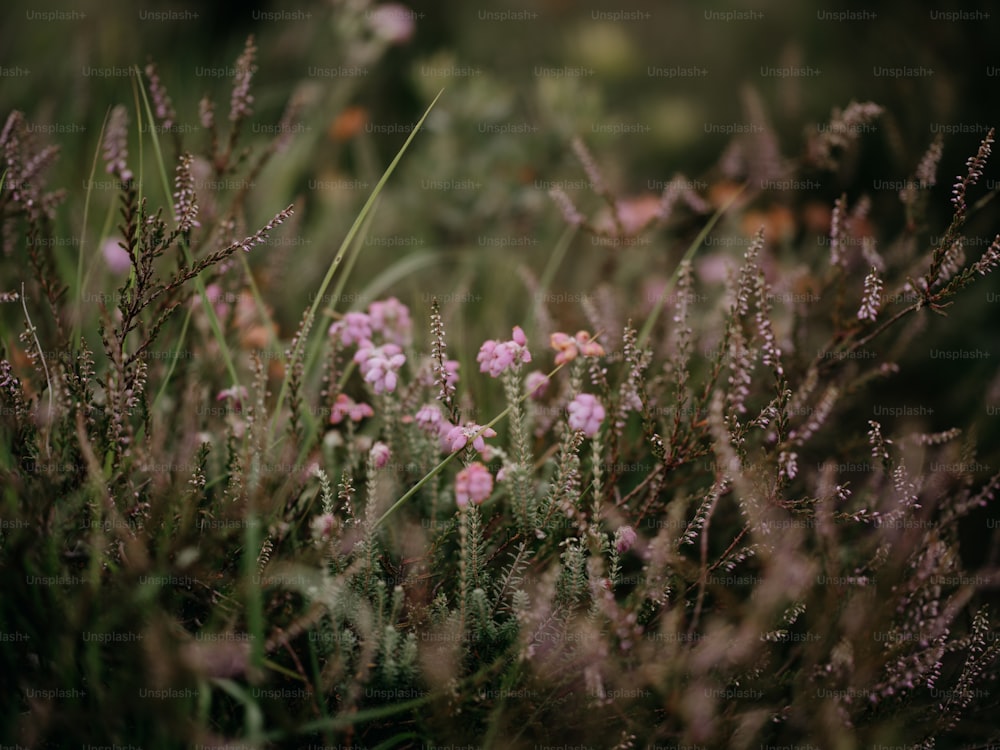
[(536, 384), (323, 526), (430, 419), (495, 357), (453, 438), (353, 328), (586, 414), (390, 319), (236, 393), (380, 454), (345, 406), (624, 539), (570, 347), (458, 437), (393, 22), (379, 365), (473, 483)]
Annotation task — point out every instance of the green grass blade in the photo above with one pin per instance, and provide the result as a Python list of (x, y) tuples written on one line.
[(81, 282), (339, 258)]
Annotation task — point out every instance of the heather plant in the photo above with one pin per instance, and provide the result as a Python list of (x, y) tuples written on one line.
[(664, 525)]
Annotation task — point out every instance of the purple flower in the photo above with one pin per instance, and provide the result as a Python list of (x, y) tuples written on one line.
[(354, 328), (429, 418), (237, 394), (536, 383), (391, 318), (496, 357), (380, 454), (379, 365), (458, 437), (345, 406), (586, 414), (624, 539), (323, 526), (474, 483), (393, 22), (116, 256), (569, 347)]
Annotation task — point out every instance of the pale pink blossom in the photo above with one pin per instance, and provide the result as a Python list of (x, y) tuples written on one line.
[(444, 429), (379, 365), (586, 414), (322, 526), (237, 394), (473, 483), (536, 384), (495, 357), (391, 318), (380, 454), (393, 22), (570, 347), (353, 328), (459, 436), (429, 418), (116, 256), (217, 298), (346, 407), (624, 539)]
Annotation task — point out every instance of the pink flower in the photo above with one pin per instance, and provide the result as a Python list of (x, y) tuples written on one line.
[(323, 526), (474, 483), (586, 414), (458, 437), (353, 328), (393, 22), (569, 347), (536, 383), (444, 429), (380, 454), (624, 539), (392, 319), (496, 357), (237, 394), (217, 297), (345, 406), (116, 256), (487, 354), (429, 418), (379, 365)]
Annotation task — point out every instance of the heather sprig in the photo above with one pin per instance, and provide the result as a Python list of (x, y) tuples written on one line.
[(164, 107), (975, 166)]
